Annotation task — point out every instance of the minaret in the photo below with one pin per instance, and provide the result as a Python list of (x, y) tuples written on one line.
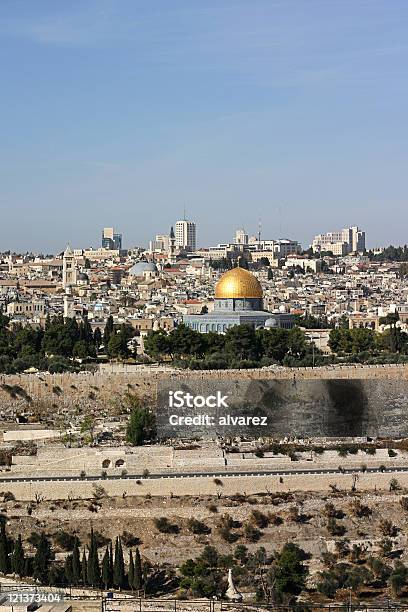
[(172, 247), (69, 272)]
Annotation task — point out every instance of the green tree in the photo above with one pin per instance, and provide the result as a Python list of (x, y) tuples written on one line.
[(141, 425), (107, 569), (88, 425), (398, 578), (97, 338), (68, 571), (157, 344), (273, 343), (94, 574), (119, 566), (186, 342), (241, 342), (118, 345), (4, 550), (108, 331), (80, 349), (131, 571), (289, 571), (84, 568), (76, 563), (60, 337), (17, 558), (42, 559), (137, 583)]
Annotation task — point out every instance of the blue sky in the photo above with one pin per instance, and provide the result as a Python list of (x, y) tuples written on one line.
[(122, 112)]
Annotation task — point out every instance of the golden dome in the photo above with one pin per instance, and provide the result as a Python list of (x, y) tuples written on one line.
[(238, 283)]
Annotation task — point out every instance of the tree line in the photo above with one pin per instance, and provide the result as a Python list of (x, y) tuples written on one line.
[(391, 253), (60, 342), (240, 347), (244, 347), (365, 341), (81, 568)]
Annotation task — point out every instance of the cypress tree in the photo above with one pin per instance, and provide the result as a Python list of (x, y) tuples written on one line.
[(94, 573), (76, 563), (28, 566), (4, 551), (131, 572), (68, 570), (107, 569), (84, 569), (42, 559), (119, 566), (17, 559), (138, 572), (108, 331), (97, 338), (111, 562)]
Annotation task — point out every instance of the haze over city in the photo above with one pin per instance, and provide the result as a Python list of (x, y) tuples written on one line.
[(125, 113)]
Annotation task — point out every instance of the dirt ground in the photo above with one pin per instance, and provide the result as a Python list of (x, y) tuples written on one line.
[(136, 516)]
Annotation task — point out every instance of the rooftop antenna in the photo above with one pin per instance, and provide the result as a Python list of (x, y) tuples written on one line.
[(259, 232), (184, 217)]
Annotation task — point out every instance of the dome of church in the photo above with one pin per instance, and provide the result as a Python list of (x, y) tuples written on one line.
[(238, 283), (141, 267)]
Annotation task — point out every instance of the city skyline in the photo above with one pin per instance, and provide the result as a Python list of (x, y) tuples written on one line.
[(289, 112), (112, 240)]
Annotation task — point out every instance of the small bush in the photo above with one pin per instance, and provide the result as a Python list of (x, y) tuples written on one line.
[(130, 540), (64, 540), (164, 526), (251, 533), (259, 519), (198, 527)]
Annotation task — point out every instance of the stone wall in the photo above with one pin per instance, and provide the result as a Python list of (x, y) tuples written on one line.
[(203, 486), (102, 391)]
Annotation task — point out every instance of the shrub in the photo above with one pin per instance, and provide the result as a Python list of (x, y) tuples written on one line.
[(387, 528), (259, 519), (130, 540), (358, 509), (334, 528), (274, 519), (164, 526), (197, 527), (64, 540), (251, 533), (225, 525)]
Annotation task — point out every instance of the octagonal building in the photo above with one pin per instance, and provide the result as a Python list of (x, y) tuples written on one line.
[(238, 301)]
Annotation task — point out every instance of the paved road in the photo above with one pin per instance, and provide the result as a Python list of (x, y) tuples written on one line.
[(212, 474)]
